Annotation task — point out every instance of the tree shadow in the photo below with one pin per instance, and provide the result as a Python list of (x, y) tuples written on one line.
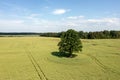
[(63, 54)]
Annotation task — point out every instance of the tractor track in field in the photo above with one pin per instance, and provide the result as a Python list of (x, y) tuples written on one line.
[(118, 54), (105, 68), (37, 67)]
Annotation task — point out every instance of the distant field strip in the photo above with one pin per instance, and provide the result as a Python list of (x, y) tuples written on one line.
[(37, 67)]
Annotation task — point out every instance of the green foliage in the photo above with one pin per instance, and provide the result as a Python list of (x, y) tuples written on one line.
[(70, 42)]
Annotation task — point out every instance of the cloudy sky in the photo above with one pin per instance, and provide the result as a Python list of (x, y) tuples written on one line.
[(59, 15)]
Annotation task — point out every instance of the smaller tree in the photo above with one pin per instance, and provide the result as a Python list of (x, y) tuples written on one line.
[(70, 42)]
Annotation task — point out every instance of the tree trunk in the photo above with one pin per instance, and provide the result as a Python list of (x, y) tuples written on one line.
[(70, 53)]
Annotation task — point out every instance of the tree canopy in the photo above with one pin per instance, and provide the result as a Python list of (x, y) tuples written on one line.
[(70, 42)]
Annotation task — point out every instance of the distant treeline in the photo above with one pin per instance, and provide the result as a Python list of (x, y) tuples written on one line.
[(100, 35), (83, 35)]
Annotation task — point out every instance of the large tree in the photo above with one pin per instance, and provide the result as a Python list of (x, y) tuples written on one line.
[(70, 42)]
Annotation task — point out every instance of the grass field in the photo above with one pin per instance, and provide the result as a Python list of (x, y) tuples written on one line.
[(30, 58)]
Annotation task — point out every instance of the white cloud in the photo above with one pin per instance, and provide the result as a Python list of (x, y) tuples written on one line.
[(33, 16), (33, 23), (113, 21), (72, 17), (75, 17), (59, 11), (11, 22), (93, 24)]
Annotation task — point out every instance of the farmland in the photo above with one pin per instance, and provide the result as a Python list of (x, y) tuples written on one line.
[(31, 58)]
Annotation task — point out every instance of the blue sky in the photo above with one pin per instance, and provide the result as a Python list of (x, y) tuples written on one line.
[(59, 15)]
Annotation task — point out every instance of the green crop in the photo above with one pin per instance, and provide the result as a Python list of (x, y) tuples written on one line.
[(31, 58)]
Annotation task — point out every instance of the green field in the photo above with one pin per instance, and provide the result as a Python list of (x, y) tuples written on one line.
[(30, 58)]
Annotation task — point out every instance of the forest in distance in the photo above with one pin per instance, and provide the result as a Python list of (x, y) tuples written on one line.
[(83, 35)]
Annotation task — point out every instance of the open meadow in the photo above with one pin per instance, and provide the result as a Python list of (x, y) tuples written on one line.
[(32, 58)]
